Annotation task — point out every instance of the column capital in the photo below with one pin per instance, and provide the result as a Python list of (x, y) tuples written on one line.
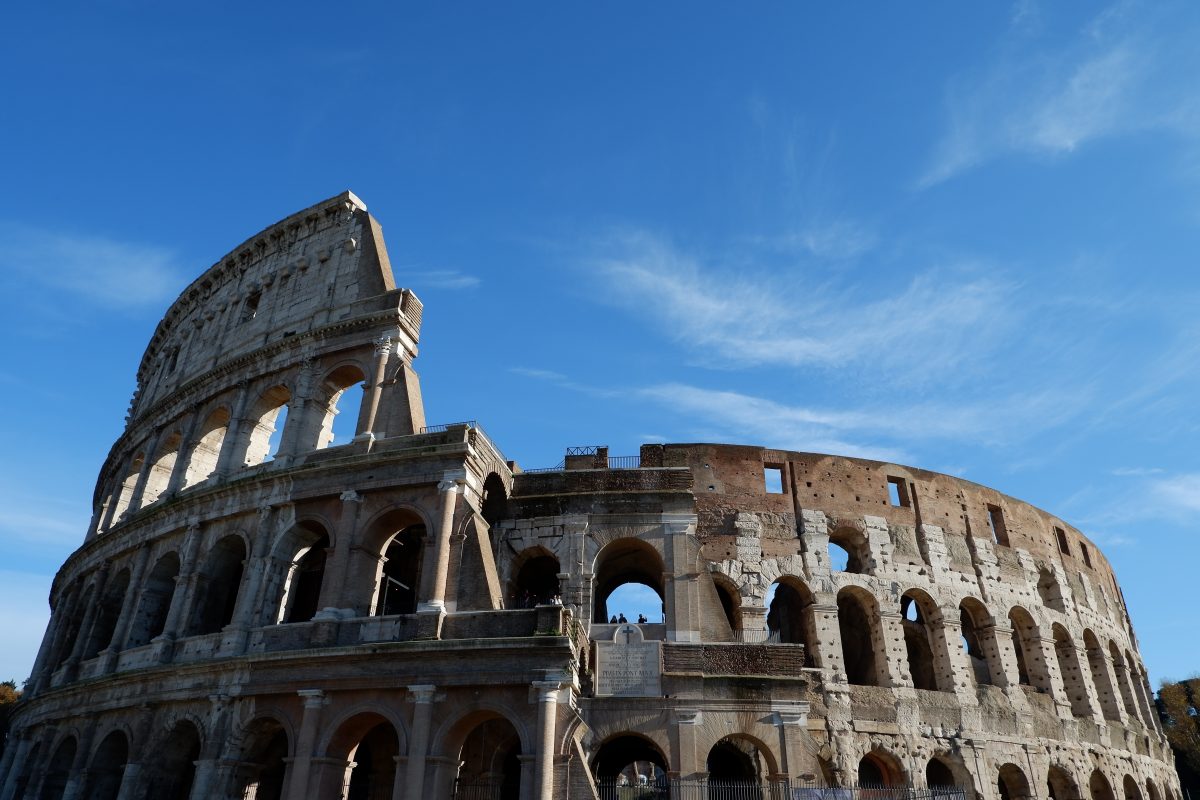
[(689, 716), (547, 690), (313, 698), (422, 692), (383, 345), (350, 496)]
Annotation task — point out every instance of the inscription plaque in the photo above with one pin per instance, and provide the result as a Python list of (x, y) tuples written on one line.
[(628, 666)]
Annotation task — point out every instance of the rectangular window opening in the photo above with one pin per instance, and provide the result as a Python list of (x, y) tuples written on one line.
[(1087, 557), (996, 523), (898, 492), (1061, 535), (250, 308), (773, 478)]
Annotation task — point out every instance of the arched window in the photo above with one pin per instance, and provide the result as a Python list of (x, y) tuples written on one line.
[(1024, 634), (1012, 783), (731, 607), (373, 762), (626, 572), (737, 768), (938, 774), (58, 770), (173, 767), (790, 616), (848, 550), (123, 495), (1131, 789), (206, 450), (265, 756), (267, 422), (1072, 674), (879, 769), (306, 573), (107, 768), (1060, 785), (217, 586), (69, 618), (1099, 788), (399, 580), (489, 762), (535, 578), (495, 499), (105, 623), (858, 621), (922, 622), (978, 642), (1049, 590), (1104, 688), (1122, 675), (162, 468), (156, 599), (343, 398), (630, 760)]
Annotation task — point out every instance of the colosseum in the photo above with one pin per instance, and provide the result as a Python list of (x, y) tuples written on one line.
[(260, 609)]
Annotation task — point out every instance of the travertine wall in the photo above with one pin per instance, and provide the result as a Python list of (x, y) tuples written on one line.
[(260, 610)]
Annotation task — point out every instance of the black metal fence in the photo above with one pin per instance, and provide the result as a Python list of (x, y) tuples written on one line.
[(754, 790)]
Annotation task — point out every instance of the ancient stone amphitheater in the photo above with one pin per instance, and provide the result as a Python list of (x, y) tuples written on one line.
[(263, 610)]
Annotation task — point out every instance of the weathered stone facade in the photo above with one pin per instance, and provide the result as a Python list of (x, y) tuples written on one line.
[(409, 615)]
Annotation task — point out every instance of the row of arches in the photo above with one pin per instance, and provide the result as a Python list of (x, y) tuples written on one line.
[(235, 432)]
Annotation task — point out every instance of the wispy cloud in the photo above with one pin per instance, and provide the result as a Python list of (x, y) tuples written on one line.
[(1178, 493), (1136, 472), (837, 240), (108, 273), (1109, 79), (440, 279)]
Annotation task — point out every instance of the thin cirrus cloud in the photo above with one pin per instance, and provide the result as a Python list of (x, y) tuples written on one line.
[(739, 319), (1112, 78), (441, 279), (106, 272)]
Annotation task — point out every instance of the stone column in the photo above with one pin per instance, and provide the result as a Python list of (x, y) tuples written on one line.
[(89, 616), (547, 719), (1008, 676), (333, 602), (792, 724), (418, 744), (891, 654), (249, 603), (687, 720), (305, 740), (204, 783), (383, 350), (184, 454), (1049, 679), (184, 583), (15, 753), (139, 488), (828, 637), (449, 489), (128, 610), (78, 774), (682, 600), (231, 445)]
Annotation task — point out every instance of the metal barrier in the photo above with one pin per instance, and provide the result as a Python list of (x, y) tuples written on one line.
[(624, 462)]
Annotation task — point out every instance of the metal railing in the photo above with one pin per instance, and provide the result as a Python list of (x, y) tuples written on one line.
[(717, 789), (614, 462), (624, 462), (756, 637), (469, 423)]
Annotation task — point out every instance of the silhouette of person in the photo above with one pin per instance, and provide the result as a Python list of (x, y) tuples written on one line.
[(641, 619), (622, 619), (612, 621)]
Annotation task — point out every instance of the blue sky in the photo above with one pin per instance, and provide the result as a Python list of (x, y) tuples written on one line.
[(959, 236)]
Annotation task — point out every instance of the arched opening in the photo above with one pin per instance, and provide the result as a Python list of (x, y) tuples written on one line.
[(1152, 790), (1072, 674), (1022, 642), (916, 611), (24, 772), (400, 574), (123, 496), (268, 418), (173, 768), (489, 762), (306, 573), (938, 774), (971, 615), (848, 550), (1100, 679), (619, 564), (1012, 783), (731, 607), (217, 586), (105, 623), (858, 621), (343, 393), (262, 770), (629, 760), (1059, 784), (161, 468), (737, 769), (1131, 789), (206, 449), (790, 617), (1122, 675), (107, 768), (1049, 590), (877, 769), (1099, 788), (1141, 691), (157, 593), (372, 771), (71, 614), (495, 499), (58, 771), (535, 580)]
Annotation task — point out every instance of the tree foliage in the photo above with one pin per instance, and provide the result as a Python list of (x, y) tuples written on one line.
[(1179, 709), (9, 695)]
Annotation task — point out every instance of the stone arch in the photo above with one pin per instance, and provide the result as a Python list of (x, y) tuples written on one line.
[(58, 769), (494, 505), (739, 758), (298, 571), (1100, 676), (924, 642), (730, 599), (486, 745), (1121, 671), (535, 578), (171, 768), (1152, 790), (878, 767), (162, 467), (71, 622), (107, 767), (1098, 786), (1012, 784), (1024, 643), (862, 638), (204, 455), (365, 744), (400, 537), (104, 624), (854, 544), (267, 417), (979, 641), (122, 496), (158, 589), (339, 391), (265, 753), (1130, 788), (1060, 785), (791, 618), (625, 755), (620, 562), (1049, 589), (448, 738), (950, 772), (1071, 672), (217, 586)]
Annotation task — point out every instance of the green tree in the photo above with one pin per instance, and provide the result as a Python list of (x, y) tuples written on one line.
[(9, 695), (1179, 709)]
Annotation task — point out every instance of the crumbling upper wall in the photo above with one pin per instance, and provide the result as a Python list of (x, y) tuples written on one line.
[(321, 265)]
